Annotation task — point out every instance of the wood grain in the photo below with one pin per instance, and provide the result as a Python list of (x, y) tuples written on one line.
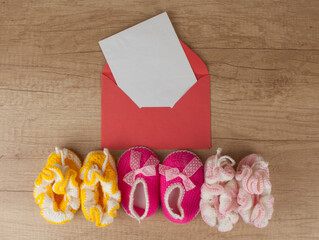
[(263, 58)]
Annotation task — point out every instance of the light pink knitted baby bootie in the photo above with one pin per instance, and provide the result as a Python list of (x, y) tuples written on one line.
[(139, 182), (254, 198), (181, 179), (218, 203)]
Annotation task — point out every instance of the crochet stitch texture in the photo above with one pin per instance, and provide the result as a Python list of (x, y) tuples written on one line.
[(100, 196), (256, 204), (56, 189), (219, 192), (139, 182), (180, 185)]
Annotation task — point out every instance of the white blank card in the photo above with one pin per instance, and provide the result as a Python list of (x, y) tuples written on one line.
[(148, 63)]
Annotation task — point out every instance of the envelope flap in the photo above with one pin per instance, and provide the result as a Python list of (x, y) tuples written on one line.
[(107, 72), (198, 66)]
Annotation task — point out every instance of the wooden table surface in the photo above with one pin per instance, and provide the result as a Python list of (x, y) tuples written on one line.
[(263, 58)]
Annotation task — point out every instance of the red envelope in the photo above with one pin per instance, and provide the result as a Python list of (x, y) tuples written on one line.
[(186, 125)]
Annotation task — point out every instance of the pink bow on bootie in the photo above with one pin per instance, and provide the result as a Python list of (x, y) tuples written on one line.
[(189, 170), (149, 168)]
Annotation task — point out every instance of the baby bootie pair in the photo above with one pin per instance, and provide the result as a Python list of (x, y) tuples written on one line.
[(64, 185), (227, 194), (176, 183)]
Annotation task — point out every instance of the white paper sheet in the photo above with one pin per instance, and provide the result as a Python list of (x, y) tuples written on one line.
[(148, 63)]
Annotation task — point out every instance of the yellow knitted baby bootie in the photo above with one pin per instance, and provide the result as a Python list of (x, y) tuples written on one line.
[(100, 196), (57, 187)]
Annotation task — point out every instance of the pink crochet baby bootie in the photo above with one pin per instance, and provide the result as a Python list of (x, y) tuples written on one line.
[(139, 182), (181, 179), (219, 192), (254, 197)]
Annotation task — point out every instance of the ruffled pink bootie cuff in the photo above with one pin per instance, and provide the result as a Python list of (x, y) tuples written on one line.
[(219, 193), (254, 197)]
